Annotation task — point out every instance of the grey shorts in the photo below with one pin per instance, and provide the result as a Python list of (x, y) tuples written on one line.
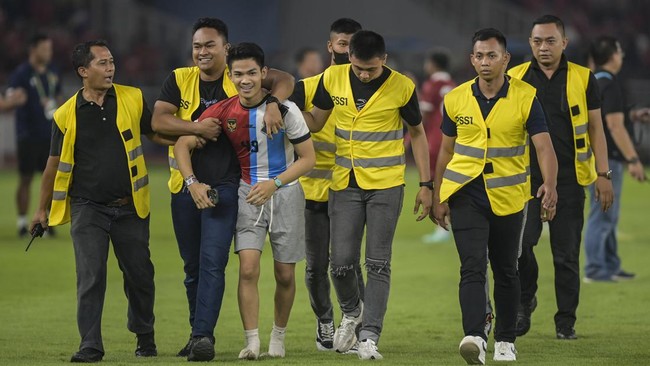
[(283, 218)]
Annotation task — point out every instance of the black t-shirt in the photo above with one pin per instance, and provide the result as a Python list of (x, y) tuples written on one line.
[(216, 162), (613, 102), (552, 94), (535, 124), (362, 92), (101, 172), (298, 95)]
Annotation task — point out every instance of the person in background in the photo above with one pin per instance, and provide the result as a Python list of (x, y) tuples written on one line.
[(309, 62)]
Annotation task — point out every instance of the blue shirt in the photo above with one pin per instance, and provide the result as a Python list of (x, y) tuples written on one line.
[(535, 124), (31, 121)]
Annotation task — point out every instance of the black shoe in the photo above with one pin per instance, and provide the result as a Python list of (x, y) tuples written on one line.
[(324, 335), (87, 355), (524, 313), (566, 333), (22, 232), (185, 351), (146, 346), (202, 349), (622, 275)]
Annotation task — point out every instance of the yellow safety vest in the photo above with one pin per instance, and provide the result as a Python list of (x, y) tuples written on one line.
[(577, 82), (506, 183), (187, 79), (317, 182), (370, 141), (129, 112)]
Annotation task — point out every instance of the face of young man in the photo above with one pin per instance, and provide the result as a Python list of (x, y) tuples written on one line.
[(42, 51), (489, 59), (339, 46), (367, 70), (547, 43), (209, 50), (247, 76), (98, 75)]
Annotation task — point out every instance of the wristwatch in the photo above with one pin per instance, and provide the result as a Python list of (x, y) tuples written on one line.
[(606, 175), (272, 99), (427, 184), (634, 160), (191, 179), (278, 182)]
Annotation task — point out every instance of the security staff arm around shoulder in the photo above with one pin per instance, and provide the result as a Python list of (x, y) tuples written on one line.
[(420, 148), (604, 189), (164, 121), (548, 165), (440, 212), (281, 86), (198, 190), (47, 188), (316, 118)]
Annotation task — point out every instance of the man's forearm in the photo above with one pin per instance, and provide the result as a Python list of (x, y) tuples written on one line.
[(47, 183), (421, 156)]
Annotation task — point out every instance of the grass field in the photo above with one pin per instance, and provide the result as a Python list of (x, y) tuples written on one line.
[(422, 326)]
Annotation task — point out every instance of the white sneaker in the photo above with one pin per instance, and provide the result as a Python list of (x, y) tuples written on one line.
[(276, 349), (354, 350), (472, 349), (324, 336), (439, 235), (505, 351), (368, 350), (345, 336), (249, 353)]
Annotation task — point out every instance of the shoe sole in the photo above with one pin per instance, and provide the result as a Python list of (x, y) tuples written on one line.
[(320, 347), (201, 351), (471, 353), (247, 355)]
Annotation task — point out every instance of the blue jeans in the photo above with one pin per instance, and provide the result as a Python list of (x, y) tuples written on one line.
[(204, 238), (601, 245)]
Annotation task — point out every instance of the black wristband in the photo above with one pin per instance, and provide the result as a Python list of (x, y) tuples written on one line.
[(272, 99), (427, 184), (634, 160)]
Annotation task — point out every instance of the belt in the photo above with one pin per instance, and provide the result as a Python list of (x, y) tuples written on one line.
[(120, 202)]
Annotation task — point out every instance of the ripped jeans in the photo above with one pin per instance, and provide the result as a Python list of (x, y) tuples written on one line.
[(351, 211)]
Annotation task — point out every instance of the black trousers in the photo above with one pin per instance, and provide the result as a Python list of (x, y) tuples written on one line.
[(565, 231), (480, 233), (92, 226)]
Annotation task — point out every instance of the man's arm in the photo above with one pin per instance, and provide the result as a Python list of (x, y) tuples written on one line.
[(616, 125), (14, 98), (548, 165), (281, 86), (316, 118), (165, 122), (421, 155), (262, 191), (47, 187), (440, 212), (182, 153), (604, 190)]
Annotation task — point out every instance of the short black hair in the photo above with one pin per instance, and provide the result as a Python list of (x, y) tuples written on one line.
[(550, 19), (440, 59), (602, 49), (244, 51), (303, 52), (37, 38), (82, 56), (489, 33), (366, 45), (214, 23), (345, 25)]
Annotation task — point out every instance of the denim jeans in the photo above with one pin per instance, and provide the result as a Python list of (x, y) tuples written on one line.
[(601, 245), (351, 211), (92, 226), (204, 238)]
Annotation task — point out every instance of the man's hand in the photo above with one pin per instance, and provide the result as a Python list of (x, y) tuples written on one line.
[(199, 192), (40, 217), (548, 194), (272, 119), (636, 171), (209, 128), (261, 192), (423, 198), (200, 142), (16, 97), (604, 193), (440, 214)]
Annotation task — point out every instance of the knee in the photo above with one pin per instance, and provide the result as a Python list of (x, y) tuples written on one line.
[(248, 272), (340, 271), (285, 277), (377, 266)]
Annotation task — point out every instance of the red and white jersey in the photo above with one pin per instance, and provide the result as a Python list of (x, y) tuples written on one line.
[(260, 158)]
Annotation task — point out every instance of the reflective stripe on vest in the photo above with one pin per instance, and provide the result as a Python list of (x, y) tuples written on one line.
[(369, 136), (319, 174), (324, 146), (371, 162)]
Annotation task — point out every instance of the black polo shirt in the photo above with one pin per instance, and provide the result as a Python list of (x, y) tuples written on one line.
[(101, 171), (613, 102), (535, 124), (552, 94)]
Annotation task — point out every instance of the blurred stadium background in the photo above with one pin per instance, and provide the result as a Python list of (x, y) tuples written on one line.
[(149, 38)]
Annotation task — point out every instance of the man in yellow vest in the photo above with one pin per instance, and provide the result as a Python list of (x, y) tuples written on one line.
[(367, 102), (481, 183), (97, 180), (204, 246), (570, 97), (316, 185)]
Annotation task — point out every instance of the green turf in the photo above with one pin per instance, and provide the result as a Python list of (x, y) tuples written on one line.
[(422, 326)]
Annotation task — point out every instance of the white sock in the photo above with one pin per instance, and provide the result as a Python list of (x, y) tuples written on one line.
[(252, 349), (276, 344), (22, 221)]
